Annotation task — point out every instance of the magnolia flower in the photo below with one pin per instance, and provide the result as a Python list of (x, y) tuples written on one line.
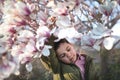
[(12, 19), (42, 16), (8, 69), (86, 40), (60, 8), (43, 31), (14, 13), (107, 7), (96, 37), (22, 8), (25, 34), (51, 4), (63, 22), (108, 43), (30, 47), (115, 36), (45, 50), (105, 36), (68, 33), (11, 15), (4, 31), (16, 21), (8, 7), (100, 32), (16, 50), (22, 54), (40, 43), (25, 58)]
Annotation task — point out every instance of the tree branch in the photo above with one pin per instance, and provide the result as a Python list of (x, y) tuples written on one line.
[(113, 21)]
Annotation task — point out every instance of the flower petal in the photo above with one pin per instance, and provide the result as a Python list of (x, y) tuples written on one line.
[(29, 67), (46, 51), (108, 43)]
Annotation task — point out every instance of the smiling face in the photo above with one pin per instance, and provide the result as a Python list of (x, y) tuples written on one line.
[(66, 53)]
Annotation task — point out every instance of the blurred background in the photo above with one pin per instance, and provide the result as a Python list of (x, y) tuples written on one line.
[(38, 72)]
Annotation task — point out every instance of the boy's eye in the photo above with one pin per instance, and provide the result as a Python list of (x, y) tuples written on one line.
[(68, 49), (62, 55)]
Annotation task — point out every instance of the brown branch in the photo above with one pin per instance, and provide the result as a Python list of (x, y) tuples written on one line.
[(115, 44)]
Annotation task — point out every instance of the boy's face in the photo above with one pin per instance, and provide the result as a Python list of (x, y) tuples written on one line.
[(66, 53)]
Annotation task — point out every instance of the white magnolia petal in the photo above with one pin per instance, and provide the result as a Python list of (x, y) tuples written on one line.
[(71, 40), (68, 33), (100, 31), (51, 4), (43, 31), (46, 51), (22, 8), (42, 16), (63, 22), (97, 30), (29, 67), (107, 6), (25, 33), (53, 30), (108, 43), (40, 43), (15, 49), (60, 8), (30, 47), (9, 69), (71, 4), (87, 40)]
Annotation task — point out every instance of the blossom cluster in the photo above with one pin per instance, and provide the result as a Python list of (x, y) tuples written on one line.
[(27, 25)]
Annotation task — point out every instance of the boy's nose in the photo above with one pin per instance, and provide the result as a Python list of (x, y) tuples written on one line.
[(68, 55)]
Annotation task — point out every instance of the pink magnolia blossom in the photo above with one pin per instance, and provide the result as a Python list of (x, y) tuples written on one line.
[(40, 43), (22, 8), (43, 31), (107, 7), (43, 16), (60, 8)]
